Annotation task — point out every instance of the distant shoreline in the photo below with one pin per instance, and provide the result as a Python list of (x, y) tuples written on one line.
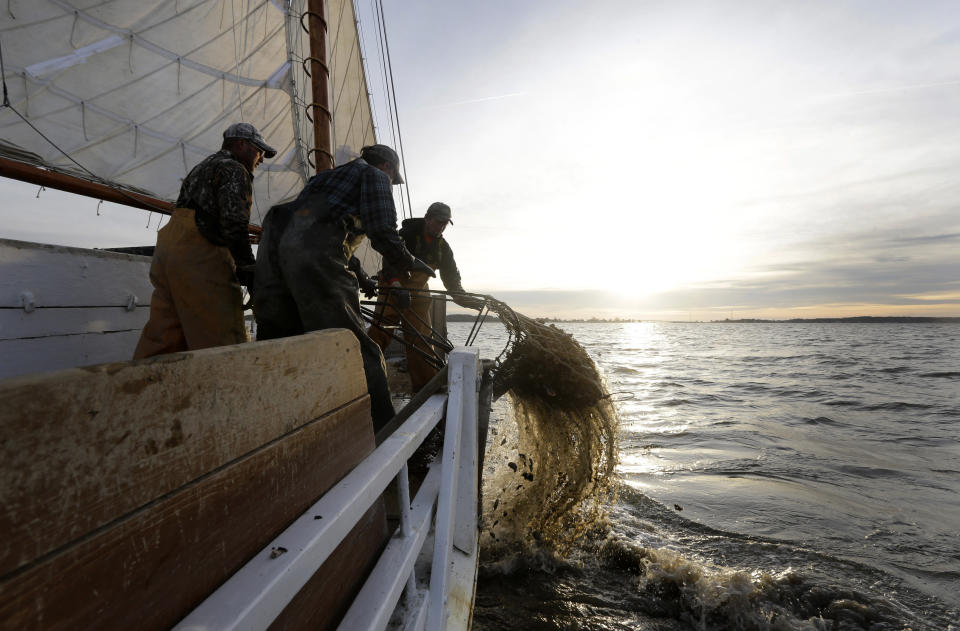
[(462, 317), (853, 320)]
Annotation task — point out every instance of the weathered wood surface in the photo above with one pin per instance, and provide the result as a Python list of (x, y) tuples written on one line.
[(59, 276), (148, 569), (83, 447)]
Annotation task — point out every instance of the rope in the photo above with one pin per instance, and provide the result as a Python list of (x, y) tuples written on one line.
[(365, 88), (3, 77), (391, 113), (393, 94), (383, 70)]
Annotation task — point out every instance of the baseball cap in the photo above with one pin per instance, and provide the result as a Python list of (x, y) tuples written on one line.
[(439, 210), (248, 132), (383, 153)]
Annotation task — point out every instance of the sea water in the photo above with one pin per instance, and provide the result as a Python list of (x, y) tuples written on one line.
[(772, 476)]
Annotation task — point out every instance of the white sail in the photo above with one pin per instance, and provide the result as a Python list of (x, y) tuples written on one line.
[(139, 91)]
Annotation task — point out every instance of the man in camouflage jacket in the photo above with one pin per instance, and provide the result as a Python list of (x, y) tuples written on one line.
[(203, 254)]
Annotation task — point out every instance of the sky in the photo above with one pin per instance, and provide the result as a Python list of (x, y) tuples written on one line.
[(662, 159)]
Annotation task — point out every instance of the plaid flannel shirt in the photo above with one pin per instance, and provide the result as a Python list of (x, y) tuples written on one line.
[(361, 190), (364, 192)]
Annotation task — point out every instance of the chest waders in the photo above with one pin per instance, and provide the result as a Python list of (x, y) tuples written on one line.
[(303, 284), (197, 301)]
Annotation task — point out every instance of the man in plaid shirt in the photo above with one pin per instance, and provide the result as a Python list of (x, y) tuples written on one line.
[(307, 278)]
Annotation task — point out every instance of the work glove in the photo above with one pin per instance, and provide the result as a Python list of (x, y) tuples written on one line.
[(368, 286), (401, 295), (420, 266), (468, 302)]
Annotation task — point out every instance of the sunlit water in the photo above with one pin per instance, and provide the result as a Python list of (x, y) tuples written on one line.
[(774, 476)]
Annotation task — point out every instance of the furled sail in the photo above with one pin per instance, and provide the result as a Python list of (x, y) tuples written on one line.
[(139, 91)]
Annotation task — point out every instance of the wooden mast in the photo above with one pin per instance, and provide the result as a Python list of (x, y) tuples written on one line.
[(320, 79)]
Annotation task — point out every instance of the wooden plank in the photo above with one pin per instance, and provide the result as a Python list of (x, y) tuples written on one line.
[(82, 447), (44, 354), (148, 569), (17, 323), (59, 276)]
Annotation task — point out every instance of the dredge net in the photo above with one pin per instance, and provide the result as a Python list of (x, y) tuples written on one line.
[(550, 476)]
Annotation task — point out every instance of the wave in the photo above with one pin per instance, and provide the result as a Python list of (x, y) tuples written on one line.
[(895, 370), (897, 405), (650, 568), (821, 420), (941, 375)]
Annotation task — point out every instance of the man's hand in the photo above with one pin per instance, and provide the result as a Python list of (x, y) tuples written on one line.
[(245, 274), (255, 232), (368, 286), (420, 266), (401, 295)]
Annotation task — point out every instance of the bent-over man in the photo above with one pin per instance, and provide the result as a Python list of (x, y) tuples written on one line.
[(203, 254), (304, 280)]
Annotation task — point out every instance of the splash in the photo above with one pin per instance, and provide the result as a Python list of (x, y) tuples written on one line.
[(550, 472), (712, 597)]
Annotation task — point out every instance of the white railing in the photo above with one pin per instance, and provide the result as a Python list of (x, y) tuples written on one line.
[(254, 596)]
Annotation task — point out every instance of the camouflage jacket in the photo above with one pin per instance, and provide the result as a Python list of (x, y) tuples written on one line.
[(220, 191)]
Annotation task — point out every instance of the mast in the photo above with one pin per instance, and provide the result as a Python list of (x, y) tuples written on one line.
[(320, 80)]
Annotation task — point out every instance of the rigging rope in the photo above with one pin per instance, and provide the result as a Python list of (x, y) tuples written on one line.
[(393, 94), (3, 77)]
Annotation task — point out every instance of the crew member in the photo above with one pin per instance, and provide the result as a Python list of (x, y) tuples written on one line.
[(304, 280), (424, 238), (203, 254)]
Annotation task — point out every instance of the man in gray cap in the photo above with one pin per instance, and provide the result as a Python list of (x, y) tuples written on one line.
[(203, 254), (424, 238), (307, 276)]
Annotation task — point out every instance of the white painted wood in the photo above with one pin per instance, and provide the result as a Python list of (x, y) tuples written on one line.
[(376, 602), (446, 504), (28, 356), (18, 323), (59, 276), (463, 585), (253, 597), (465, 521), (406, 518), (63, 307)]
